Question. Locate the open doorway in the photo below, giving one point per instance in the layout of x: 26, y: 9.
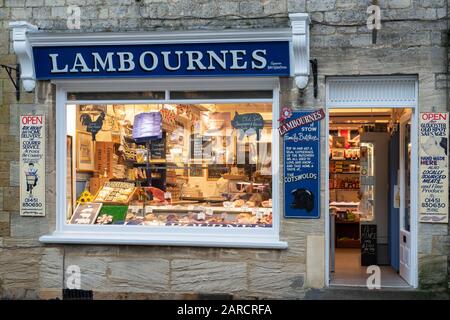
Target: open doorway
x: 369, y: 188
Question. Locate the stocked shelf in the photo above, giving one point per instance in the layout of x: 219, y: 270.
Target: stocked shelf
x: 345, y: 172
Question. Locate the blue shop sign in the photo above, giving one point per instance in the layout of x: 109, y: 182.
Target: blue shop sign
x: 167, y: 60
x: 301, y: 148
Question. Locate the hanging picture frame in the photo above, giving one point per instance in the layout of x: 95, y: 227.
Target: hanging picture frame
x: 85, y: 154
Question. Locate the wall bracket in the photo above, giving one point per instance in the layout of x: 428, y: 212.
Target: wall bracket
x: 300, y: 48
x: 15, y: 80
x: 24, y: 52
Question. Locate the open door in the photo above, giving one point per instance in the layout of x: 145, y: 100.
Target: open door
x: 405, y: 198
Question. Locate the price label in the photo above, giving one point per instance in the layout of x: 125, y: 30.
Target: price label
x: 201, y: 216
x: 148, y: 210
x: 259, y: 214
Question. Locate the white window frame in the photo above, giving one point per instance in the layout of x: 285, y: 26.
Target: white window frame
x: 152, y: 235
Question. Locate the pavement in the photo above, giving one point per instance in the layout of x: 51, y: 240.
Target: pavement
x: 348, y: 293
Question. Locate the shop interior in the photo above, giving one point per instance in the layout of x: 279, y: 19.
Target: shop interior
x: 367, y: 194
x: 174, y: 165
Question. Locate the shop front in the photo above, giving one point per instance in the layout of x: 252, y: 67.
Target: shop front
x: 178, y: 163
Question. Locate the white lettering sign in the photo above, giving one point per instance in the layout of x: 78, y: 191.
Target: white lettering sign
x: 170, y: 60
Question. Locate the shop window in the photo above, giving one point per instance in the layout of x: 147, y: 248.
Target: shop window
x: 169, y: 165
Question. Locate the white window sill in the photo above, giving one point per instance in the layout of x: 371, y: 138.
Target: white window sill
x: 161, y: 240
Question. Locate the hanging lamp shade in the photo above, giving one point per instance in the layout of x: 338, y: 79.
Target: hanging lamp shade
x: 147, y: 126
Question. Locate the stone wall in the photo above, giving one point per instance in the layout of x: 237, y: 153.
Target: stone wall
x: 411, y: 41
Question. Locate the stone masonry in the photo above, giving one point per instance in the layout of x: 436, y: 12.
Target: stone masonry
x: 412, y: 40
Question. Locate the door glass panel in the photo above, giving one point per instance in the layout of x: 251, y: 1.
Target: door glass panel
x: 407, y: 160
x: 367, y: 178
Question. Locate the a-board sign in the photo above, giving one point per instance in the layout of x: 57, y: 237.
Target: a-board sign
x: 368, y: 244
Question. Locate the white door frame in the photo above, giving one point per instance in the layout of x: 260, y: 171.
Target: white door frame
x: 403, y: 120
x: 414, y: 169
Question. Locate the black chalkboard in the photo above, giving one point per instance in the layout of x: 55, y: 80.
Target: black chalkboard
x: 201, y: 147
x: 368, y: 244
x: 158, y: 148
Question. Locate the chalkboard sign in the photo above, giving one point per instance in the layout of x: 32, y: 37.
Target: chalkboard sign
x: 158, y: 148
x: 368, y: 244
x: 201, y: 147
x: 246, y: 122
x: 92, y: 126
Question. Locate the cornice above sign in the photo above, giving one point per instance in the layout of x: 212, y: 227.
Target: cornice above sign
x: 264, y: 52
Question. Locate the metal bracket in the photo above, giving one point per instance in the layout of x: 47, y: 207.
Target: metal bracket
x: 314, y: 73
x: 16, y: 82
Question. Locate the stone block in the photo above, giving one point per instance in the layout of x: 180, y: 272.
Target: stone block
x: 93, y: 271
x: 28, y: 227
x: 92, y: 250
x: 4, y: 13
x: 250, y: 7
x: 5, y: 229
x: 51, y: 268
x: 21, y: 13
x: 34, y: 3
x: 296, y: 6
x: 432, y: 3
x: 103, y: 13
x: 227, y: 8
x: 281, y: 279
x: 19, y: 268
x: 432, y: 271
x: 322, y: 5
x: 399, y: 4
x: 333, y: 16
x: 11, y: 199
x: 14, y: 3
x: 77, y: 2
x: 139, y: 275
x: 441, y: 13
x: 275, y: 6
x: 319, y: 29
x: 14, y: 173
x: 122, y: 2
x: 54, y: 3
x: 440, y: 245
x: 317, y: 16
x: 208, y: 276
x: 42, y: 13
x: 315, y: 261
x: 59, y: 13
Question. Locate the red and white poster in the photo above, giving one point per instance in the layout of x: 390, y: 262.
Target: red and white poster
x: 32, y: 165
x: 433, y: 167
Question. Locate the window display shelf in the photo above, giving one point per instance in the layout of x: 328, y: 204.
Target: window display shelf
x: 344, y: 172
x: 345, y: 160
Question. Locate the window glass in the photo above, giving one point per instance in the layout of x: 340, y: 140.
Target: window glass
x: 142, y: 95
x: 203, y: 95
x: 177, y: 165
